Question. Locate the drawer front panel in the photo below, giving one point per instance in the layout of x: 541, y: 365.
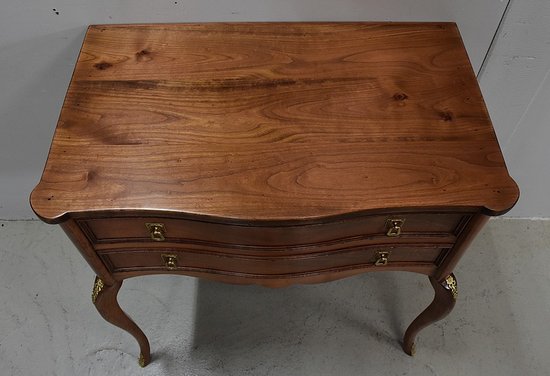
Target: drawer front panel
x: 165, y: 260
x: 105, y: 233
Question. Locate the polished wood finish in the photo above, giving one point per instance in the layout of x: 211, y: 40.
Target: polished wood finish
x: 87, y: 251
x: 107, y: 305
x: 474, y: 227
x: 441, y: 306
x: 273, y: 122
x: 104, y: 232
x: 273, y: 154
x: 148, y: 260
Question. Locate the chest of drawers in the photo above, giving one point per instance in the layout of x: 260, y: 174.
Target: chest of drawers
x: 273, y: 154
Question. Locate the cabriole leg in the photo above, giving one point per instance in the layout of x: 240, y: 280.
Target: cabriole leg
x: 444, y: 300
x: 104, y: 298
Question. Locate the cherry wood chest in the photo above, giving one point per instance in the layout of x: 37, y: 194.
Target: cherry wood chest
x: 273, y: 154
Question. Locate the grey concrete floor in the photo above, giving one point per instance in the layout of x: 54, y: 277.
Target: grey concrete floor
x: 500, y: 326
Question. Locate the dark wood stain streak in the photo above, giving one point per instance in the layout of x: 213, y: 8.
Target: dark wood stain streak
x: 446, y: 116
x: 217, y: 84
x: 103, y: 65
x: 400, y: 96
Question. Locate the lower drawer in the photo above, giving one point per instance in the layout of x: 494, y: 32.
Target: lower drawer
x: 163, y: 260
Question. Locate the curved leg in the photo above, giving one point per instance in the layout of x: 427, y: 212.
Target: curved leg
x: 104, y: 299
x: 444, y: 300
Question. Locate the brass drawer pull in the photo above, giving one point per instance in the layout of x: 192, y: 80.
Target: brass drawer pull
x: 382, y: 258
x: 157, y: 231
x: 394, y: 226
x: 170, y: 261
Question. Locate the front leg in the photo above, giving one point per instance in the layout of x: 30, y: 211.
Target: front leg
x: 444, y: 300
x: 104, y: 299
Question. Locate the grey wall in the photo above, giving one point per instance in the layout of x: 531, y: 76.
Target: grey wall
x: 39, y: 43
x: 516, y: 86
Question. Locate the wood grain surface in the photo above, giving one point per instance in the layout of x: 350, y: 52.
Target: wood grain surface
x: 273, y: 121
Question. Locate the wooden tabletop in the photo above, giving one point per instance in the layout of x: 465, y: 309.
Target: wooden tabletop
x: 273, y: 121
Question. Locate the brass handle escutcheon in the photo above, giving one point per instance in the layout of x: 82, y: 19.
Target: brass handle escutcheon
x: 157, y: 231
x: 170, y: 261
x: 394, y: 226
x: 382, y: 258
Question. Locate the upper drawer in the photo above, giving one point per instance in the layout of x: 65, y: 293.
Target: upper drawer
x: 106, y: 233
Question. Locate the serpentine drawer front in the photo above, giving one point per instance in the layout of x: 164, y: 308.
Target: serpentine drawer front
x: 273, y: 154
x: 271, y: 266
x: 110, y: 232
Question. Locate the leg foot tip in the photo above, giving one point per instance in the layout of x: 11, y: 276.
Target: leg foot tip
x: 142, y: 361
x: 411, y: 351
